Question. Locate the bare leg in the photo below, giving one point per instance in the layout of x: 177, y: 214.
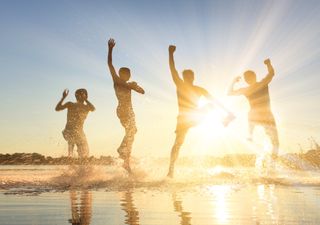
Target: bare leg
x: 70, y: 149
x: 130, y: 133
x: 251, y: 127
x: 272, y: 132
x: 126, y: 146
x: 83, y: 150
x: 122, y: 149
x: 180, y: 136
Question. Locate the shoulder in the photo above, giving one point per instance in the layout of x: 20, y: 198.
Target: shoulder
x: 200, y: 90
x: 81, y: 106
x: 87, y: 108
x: 243, y: 91
x: 261, y: 84
x: 121, y: 84
x: 132, y: 84
x: 69, y: 104
x: 180, y: 85
x: 254, y: 88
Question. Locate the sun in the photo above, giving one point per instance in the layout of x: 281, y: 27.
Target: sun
x: 211, y: 123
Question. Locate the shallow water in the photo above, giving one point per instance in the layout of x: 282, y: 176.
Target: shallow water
x: 217, y: 204
x: 68, y: 195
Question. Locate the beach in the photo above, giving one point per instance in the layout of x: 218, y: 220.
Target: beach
x: 160, y: 112
x: 47, y: 195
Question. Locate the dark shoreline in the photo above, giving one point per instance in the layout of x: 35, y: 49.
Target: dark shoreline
x: 301, y: 161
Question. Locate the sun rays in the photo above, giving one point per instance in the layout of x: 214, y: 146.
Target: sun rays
x: 215, y: 39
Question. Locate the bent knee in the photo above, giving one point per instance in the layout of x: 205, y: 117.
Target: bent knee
x: 131, y: 130
x: 178, y: 142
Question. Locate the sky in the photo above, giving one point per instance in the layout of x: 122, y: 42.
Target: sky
x: 47, y: 46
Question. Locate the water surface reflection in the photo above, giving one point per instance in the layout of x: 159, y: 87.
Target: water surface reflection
x: 81, y: 207
x: 185, y: 217
x: 127, y: 205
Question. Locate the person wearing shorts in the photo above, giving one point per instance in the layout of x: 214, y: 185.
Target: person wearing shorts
x: 260, y: 114
x: 76, y: 115
x: 125, y: 112
x: 188, y: 96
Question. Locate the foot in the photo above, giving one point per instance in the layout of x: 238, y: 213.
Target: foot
x: 126, y: 166
x: 170, y: 173
x: 83, y: 161
x: 228, y: 119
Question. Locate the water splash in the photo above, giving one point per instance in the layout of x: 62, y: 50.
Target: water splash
x: 147, y: 174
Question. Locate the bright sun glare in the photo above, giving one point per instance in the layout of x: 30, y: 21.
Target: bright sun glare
x: 210, y: 131
x: 211, y: 122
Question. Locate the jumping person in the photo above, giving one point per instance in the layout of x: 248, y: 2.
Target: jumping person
x: 188, y: 97
x: 260, y: 113
x: 77, y: 113
x: 124, y: 110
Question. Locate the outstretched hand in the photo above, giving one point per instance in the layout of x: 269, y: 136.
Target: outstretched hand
x: 65, y: 93
x: 267, y: 61
x: 111, y: 43
x: 172, y: 48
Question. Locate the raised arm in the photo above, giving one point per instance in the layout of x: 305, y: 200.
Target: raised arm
x: 61, y: 106
x: 115, y: 77
x: 239, y: 91
x: 90, y: 106
x: 134, y: 86
x: 174, y: 72
x: 270, y: 74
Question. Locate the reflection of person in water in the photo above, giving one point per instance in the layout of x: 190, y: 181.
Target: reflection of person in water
x: 188, y: 98
x: 127, y: 204
x: 266, y: 200
x: 184, y: 216
x: 81, y: 215
x: 125, y: 112
x: 77, y: 113
x: 260, y: 113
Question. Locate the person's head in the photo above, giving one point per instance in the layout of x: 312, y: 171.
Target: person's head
x: 124, y: 73
x: 81, y: 95
x: 250, y: 77
x: 188, y: 76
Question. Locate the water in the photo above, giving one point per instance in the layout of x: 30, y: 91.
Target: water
x: 105, y: 195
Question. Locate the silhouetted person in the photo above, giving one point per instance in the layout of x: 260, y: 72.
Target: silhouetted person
x: 81, y: 212
x: 188, y: 96
x: 127, y: 203
x: 77, y: 113
x: 124, y: 110
x: 258, y: 96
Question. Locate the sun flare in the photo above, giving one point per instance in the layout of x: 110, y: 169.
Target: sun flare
x: 210, y: 124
